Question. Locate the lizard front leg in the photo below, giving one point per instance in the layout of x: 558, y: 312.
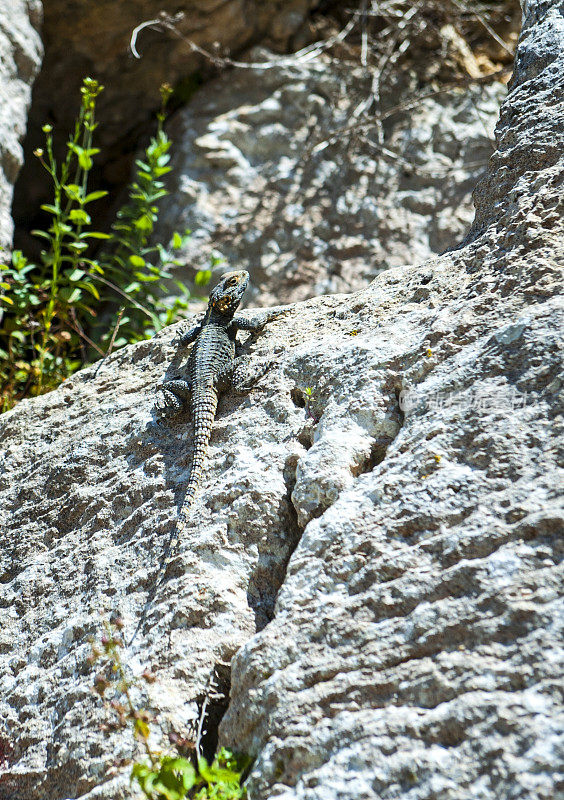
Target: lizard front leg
x: 256, y: 323
x: 184, y: 339
x: 243, y: 380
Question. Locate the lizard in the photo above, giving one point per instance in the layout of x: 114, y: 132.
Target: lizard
x: 210, y: 372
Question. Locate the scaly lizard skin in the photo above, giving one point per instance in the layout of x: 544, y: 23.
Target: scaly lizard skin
x: 210, y: 372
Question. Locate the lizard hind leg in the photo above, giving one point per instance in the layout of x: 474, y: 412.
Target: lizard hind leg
x: 174, y: 395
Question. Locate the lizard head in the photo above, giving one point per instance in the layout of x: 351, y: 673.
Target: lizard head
x: 226, y: 296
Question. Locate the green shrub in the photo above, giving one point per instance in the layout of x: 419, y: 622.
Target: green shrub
x: 64, y: 311
x: 176, y: 778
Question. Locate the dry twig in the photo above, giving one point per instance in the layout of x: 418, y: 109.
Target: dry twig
x: 167, y: 22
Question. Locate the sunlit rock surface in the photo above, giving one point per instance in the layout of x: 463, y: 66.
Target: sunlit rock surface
x: 376, y: 545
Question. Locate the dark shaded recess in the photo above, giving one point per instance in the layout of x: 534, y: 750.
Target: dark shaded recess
x: 120, y: 133
x: 298, y: 397
x: 397, y: 393
x: 215, y: 709
x: 269, y: 574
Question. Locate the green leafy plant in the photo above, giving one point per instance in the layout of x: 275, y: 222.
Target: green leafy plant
x: 203, y: 276
x: 182, y: 773
x: 65, y: 311
x: 132, y: 263
x: 176, y: 778
x: 42, y: 303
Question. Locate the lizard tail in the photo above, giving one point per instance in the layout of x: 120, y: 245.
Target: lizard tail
x: 204, y: 405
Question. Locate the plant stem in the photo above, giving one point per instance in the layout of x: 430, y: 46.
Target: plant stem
x: 125, y: 685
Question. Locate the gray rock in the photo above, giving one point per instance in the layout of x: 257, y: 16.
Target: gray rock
x: 261, y: 175
x: 377, y: 535
x: 416, y: 648
x: 21, y: 51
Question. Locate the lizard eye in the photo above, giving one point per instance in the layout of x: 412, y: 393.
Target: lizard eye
x: 232, y: 282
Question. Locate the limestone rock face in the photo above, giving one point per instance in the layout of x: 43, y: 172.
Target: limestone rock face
x: 416, y: 649
x: 93, y: 516
x: 21, y: 51
x: 376, y: 544
x: 281, y: 185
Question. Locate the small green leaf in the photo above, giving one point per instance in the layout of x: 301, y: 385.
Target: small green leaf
x: 203, y: 277
x: 216, y: 774
x: 142, y: 166
x: 76, y: 275
x: 94, y: 265
x: 176, y: 240
x: 182, y: 286
x: 182, y: 767
x: 144, y: 223
x: 137, y: 261
x: 145, y: 776
x: 94, y: 235
x: 89, y: 288
x: 86, y: 308
x: 141, y: 729
x: 216, y: 259
x: 70, y: 294
x: 73, y: 191
x: 79, y: 216
x: 142, y: 276
x: 95, y: 196
x: 41, y: 234
x: 140, y: 771
x: 85, y: 161
x: 50, y: 208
